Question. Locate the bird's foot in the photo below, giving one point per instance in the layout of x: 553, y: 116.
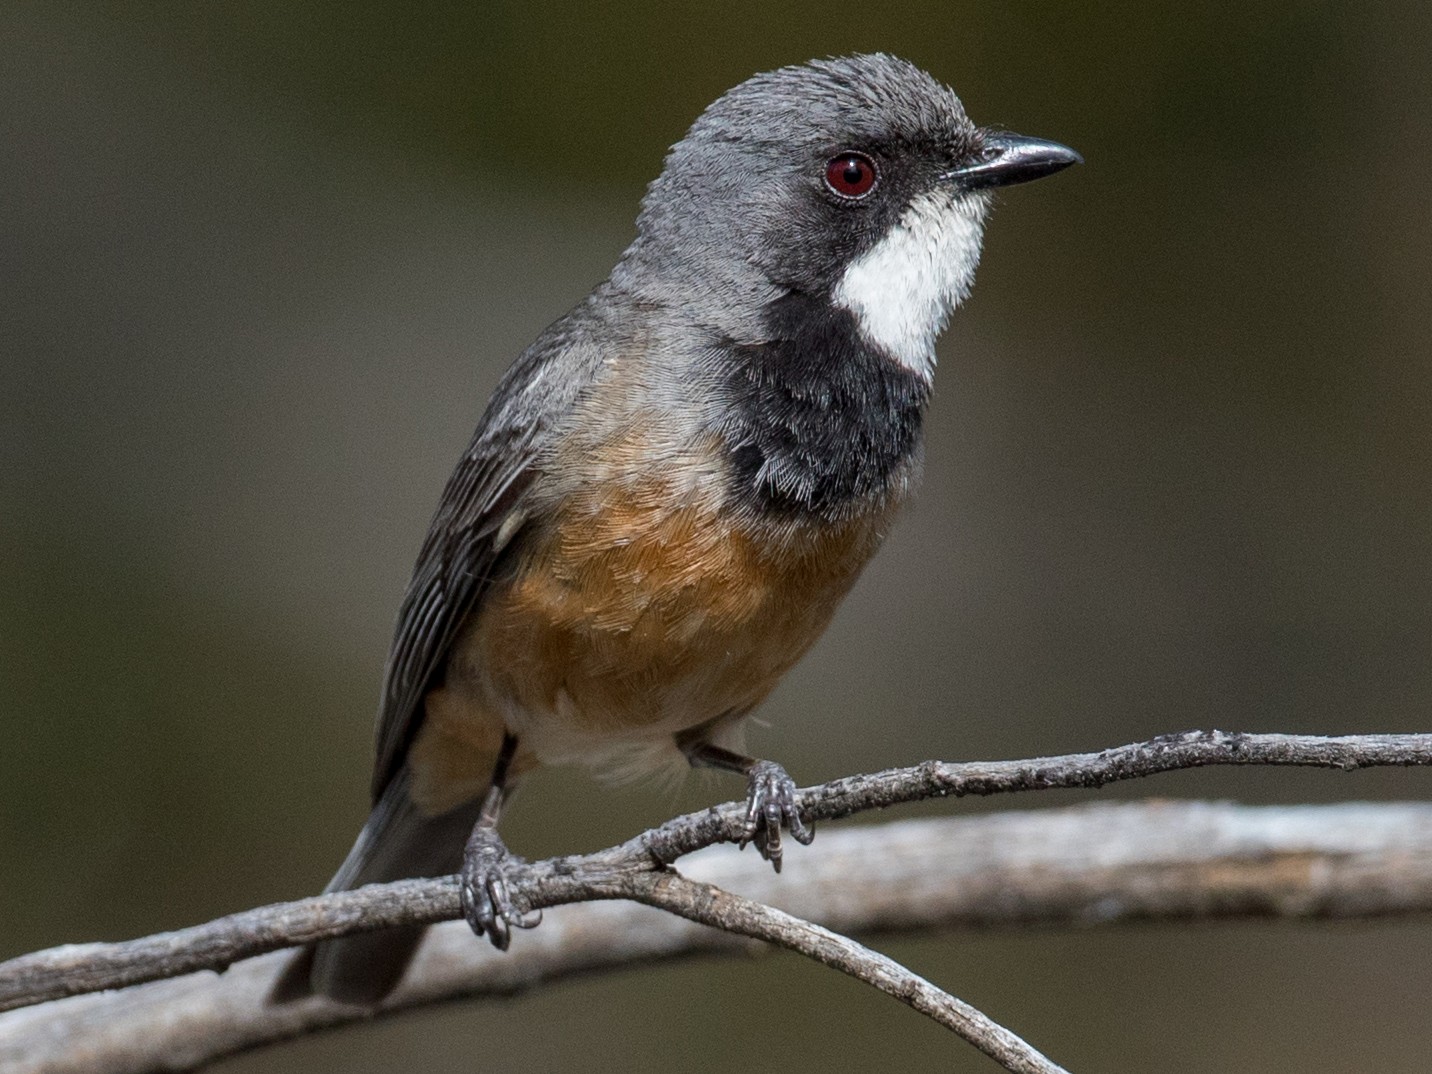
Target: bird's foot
x: 487, y: 872
x: 771, y: 806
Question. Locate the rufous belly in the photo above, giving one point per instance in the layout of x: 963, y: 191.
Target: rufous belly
x: 625, y: 623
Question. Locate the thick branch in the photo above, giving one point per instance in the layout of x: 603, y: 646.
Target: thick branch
x: 1154, y: 861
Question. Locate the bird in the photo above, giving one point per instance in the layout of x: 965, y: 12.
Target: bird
x: 671, y: 490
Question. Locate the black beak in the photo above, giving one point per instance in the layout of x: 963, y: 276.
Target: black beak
x: 1007, y: 159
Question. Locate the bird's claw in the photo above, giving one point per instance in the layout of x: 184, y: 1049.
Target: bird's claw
x: 487, y: 870
x: 771, y: 806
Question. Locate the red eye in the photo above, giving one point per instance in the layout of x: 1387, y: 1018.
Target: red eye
x: 851, y: 175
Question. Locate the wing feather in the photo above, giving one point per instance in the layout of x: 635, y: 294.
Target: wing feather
x: 476, y: 526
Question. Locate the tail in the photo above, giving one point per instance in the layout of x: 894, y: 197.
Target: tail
x: 398, y: 842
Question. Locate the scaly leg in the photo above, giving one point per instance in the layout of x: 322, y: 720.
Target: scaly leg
x: 486, y: 901
x: 770, y: 797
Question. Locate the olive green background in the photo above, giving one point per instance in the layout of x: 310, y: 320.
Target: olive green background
x: 260, y: 264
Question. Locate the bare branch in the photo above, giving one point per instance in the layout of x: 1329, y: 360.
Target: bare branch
x: 1154, y: 861
x: 76, y: 969
x: 720, y: 909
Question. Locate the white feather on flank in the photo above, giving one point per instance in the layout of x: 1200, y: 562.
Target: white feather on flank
x: 903, y: 289
x: 559, y: 737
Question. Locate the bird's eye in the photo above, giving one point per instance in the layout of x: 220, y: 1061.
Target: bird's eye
x: 851, y: 175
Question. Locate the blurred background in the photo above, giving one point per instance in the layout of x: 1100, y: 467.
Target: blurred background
x: 261, y: 263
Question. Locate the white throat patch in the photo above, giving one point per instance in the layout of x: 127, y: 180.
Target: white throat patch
x: 903, y: 288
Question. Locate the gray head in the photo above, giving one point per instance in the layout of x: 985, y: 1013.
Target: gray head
x: 857, y: 181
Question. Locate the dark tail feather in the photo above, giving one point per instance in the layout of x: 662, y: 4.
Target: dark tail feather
x: 398, y: 842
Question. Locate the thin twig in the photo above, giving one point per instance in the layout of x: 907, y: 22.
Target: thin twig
x: 709, y: 905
